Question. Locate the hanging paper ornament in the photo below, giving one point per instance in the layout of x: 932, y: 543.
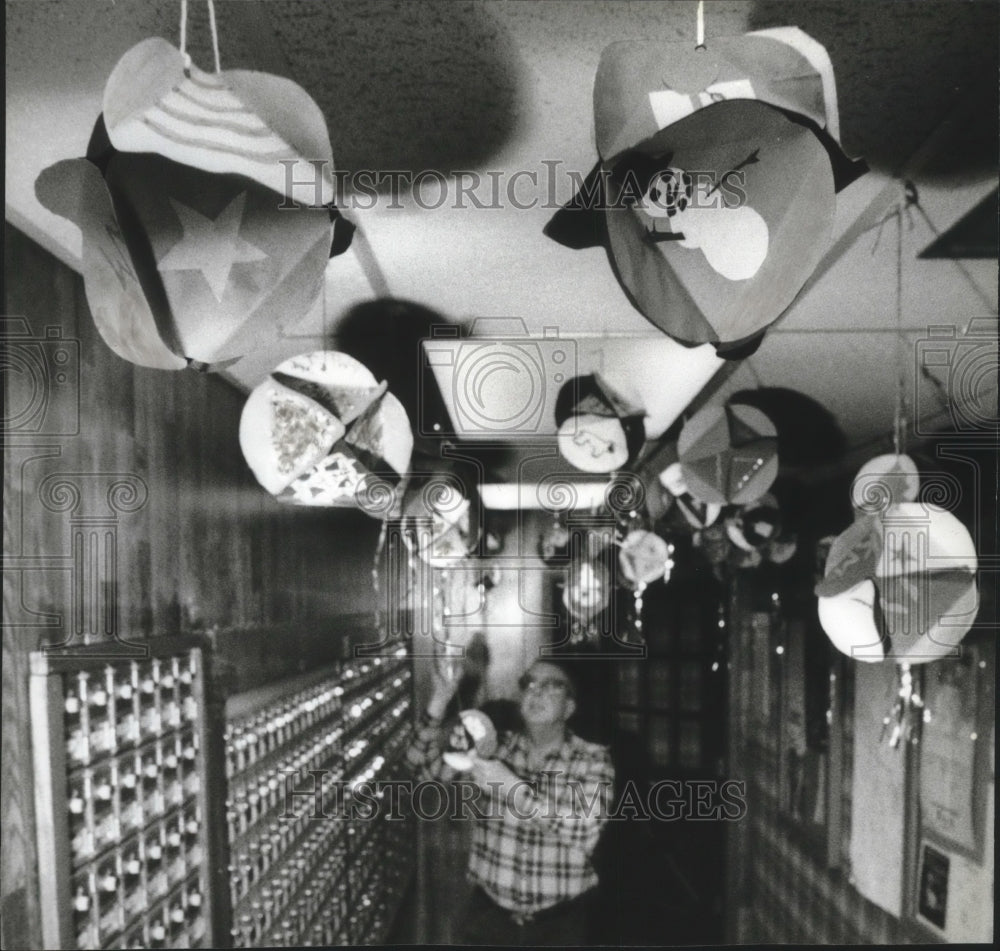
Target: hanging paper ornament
x: 809, y: 436
x: 756, y: 524
x: 472, y: 736
x: 321, y: 431
x: 782, y: 549
x: 696, y: 513
x: 659, y: 501
x: 900, y: 586
x: 445, y: 516
x: 884, y: 481
x: 643, y: 558
x: 903, y: 723
x: 746, y: 559
x: 205, y: 203
x: 599, y: 431
x: 588, y: 590
x: 553, y: 545
x: 728, y: 454
x: 714, y: 542
x: 718, y: 173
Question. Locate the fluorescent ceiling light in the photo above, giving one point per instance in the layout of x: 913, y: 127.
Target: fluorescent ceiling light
x: 550, y: 496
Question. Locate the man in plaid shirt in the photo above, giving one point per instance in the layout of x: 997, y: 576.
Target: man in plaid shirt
x: 543, y: 801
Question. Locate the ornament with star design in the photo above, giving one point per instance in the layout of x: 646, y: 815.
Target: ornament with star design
x: 900, y: 586
x: 728, y: 454
x: 200, y: 239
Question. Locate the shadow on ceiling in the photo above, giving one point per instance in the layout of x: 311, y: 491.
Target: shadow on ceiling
x: 902, y: 68
x: 808, y: 434
x: 407, y: 85
x: 385, y: 335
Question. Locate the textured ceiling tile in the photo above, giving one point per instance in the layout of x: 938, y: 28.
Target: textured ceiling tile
x: 404, y: 86
x: 902, y: 68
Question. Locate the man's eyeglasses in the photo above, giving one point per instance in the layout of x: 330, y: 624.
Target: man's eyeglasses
x: 549, y: 685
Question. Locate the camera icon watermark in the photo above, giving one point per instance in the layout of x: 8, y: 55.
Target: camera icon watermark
x: 41, y: 380
x: 499, y: 382
x: 956, y: 378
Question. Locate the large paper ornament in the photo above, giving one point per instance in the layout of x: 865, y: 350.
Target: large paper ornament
x: 445, y: 518
x: 321, y: 431
x: 900, y: 586
x: 717, y: 180
x: 728, y: 454
x: 599, y: 431
x: 884, y: 481
x: 646, y: 86
x: 205, y: 203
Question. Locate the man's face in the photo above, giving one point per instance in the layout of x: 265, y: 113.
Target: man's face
x: 545, y: 695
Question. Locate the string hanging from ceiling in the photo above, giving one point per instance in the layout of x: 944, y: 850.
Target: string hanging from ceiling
x: 212, y: 29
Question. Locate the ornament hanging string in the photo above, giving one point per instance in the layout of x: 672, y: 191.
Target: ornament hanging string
x: 903, y: 723
x: 899, y: 414
x: 899, y: 423
x: 376, y: 585
x: 214, y: 31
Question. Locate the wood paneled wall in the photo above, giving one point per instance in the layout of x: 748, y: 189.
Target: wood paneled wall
x: 130, y: 513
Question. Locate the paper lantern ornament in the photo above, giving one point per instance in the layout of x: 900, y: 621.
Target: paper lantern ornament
x: 599, y: 430
x: 756, y: 524
x: 696, y: 514
x: 205, y: 203
x: 321, y: 431
x: 743, y: 558
x: 553, y: 545
x: 714, y: 543
x: 884, y: 481
x: 900, y: 586
x: 782, y: 549
x: 717, y: 179
x: 472, y: 736
x: 643, y: 558
x: 728, y: 454
x: 659, y: 501
x: 444, y: 517
x: 588, y: 590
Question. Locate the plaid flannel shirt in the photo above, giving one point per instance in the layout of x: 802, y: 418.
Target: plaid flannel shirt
x: 542, y: 856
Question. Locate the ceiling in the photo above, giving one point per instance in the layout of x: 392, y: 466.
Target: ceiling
x: 498, y: 88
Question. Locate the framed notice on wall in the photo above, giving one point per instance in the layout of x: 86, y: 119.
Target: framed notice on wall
x: 952, y: 753
x: 932, y: 898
